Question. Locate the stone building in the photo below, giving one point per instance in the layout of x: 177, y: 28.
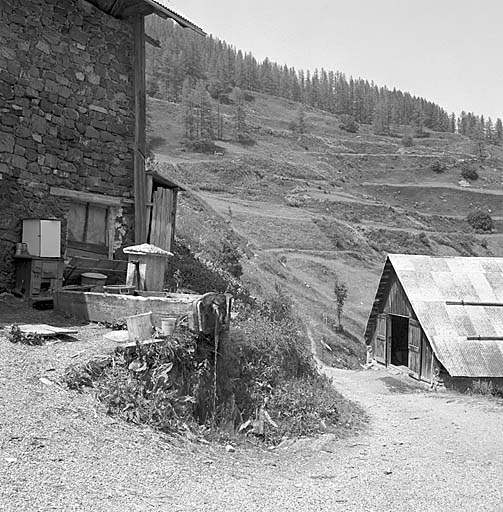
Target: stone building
x: 72, y: 121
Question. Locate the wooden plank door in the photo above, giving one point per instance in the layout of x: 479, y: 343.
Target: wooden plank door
x: 380, y: 339
x: 162, y: 223
x: 414, y: 347
x: 426, y: 360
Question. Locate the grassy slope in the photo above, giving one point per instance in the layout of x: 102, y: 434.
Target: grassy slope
x: 358, y: 196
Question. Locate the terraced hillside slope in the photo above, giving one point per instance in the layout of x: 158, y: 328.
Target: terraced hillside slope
x: 306, y: 209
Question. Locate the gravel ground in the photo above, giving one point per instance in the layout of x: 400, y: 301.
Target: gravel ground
x: 423, y: 451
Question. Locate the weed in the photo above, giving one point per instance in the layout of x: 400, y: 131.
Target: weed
x: 15, y: 335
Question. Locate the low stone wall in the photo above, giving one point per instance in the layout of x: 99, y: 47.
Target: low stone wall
x: 66, y: 110
x: 111, y: 308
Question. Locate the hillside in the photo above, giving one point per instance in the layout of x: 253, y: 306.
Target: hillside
x: 303, y: 209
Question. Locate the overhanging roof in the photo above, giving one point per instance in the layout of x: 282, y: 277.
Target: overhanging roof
x: 123, y: 8
x: 459, y: 303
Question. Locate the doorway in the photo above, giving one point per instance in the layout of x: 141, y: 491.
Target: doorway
x: 399, y: 340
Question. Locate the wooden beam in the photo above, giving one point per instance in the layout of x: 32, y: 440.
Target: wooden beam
x: 140, y: 124
x: 88, y: 197
x: 151, y: 41
x: 472, y: 303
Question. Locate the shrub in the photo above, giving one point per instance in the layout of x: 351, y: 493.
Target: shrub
x: 407, y: 141
x: 202, y: 146
x: 438, y: 167
x: 245, y: 139
x: 469, y: 173
x: 349, y: 124
x: 15, y: 335
x: 304, y: 407
x: 481, y: 221
x: 153, y: 143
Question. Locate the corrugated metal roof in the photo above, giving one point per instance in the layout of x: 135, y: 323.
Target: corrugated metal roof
x: 164, y: 7
x: 430, y: 283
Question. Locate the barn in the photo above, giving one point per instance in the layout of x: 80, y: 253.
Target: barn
x: 440, y: 319
x: 72, y: 128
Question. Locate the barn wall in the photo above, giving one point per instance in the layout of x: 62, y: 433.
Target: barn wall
x: 66, y: 109
x: 397, y: 302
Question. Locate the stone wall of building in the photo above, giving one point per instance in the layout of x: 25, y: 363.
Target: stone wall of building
x: 66, y: 111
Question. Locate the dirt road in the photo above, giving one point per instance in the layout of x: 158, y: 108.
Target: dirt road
x: 422, y: 451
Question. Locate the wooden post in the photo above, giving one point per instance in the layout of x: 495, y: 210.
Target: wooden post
x: 139, y: 133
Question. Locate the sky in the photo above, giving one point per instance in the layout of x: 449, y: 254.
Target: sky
x: 447, y: 51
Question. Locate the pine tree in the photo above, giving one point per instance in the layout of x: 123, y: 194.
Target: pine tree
x: 499, y: 131
x: 240, y: 128
x: 188, y: 110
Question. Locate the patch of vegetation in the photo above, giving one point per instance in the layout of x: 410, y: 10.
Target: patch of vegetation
x: 438, y: 167
x: 468, y: 172
x: 153, y: 143
x: 480, y: 221
x: 15, y: 335
x: 486, y: 388
x: 264, y: 371
x: 348, y: 124
x: 202, y: 146
x: 407, y: 141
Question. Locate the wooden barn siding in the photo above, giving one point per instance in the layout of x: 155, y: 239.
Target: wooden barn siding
x: 397, y: 303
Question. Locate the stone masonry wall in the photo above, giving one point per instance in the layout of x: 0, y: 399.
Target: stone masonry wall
x: 66, y: 112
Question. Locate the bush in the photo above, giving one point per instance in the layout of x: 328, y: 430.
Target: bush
x: 202, y: 146
x: 349, y: 124
x: 245, y: 139
x: 153, y: 143
x: 304, y: 407
x: 438, y: 167
x: 481, y: 221
x: 469, y: 173
x: 407, y: 141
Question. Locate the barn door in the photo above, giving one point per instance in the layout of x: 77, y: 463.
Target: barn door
x: 414, y: 347
x: 426, y: 360
x: 380, y: 340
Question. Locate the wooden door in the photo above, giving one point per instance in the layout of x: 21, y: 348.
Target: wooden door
x: 161, y: 233
x: 380, y: 339
x: 414, y: 347
x: 426, y: 360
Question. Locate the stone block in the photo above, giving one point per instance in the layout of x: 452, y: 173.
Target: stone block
x: 6, y: 143
x: 19, y: 162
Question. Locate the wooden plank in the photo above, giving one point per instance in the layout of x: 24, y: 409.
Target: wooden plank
x: 169, y: 220
x: 90, y: 248
x: 111, y: 216
x: 173, y: 221
x: 150, y: 184
x: 88, y: 197
x: 140, y: 327
x: 45, y: 330
x: 140, y: 124
x: 152, y: 41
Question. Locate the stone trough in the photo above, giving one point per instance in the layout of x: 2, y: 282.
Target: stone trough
x: 112, y: 308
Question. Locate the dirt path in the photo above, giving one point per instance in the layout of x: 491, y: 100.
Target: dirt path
x: 422, y: 451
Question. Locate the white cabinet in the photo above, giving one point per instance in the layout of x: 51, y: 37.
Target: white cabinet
x: 43, y: 237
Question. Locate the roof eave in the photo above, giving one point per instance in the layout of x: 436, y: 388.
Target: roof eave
x: 164, y: 12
